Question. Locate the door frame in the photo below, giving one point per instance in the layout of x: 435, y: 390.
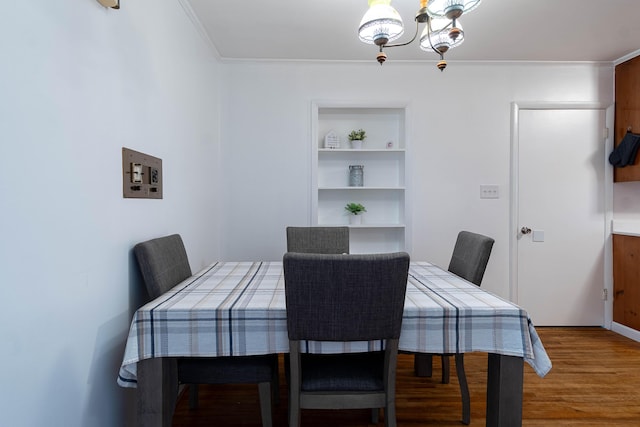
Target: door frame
x: 608, y: 135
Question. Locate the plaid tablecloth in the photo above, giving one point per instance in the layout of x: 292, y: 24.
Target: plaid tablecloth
x: 238, y: 308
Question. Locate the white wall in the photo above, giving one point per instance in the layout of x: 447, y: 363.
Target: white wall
x: 77, y: 83
x: 626, y: 201
x: 460, y: 139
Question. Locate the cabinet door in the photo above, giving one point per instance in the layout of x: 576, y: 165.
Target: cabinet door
x: 626, y: 280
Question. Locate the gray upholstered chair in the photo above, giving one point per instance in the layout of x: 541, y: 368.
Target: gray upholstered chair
x: 469, y: 261
x: 470, y: 256
x: 344, y: 298
x: 318, y: 240
x: 163, y: 263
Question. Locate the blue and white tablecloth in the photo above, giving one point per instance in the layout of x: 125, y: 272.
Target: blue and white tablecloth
x: 238, y: 308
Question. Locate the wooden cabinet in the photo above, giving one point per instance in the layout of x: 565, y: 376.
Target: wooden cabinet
x: 627, y: 112
x: 626, y: 280
x: 383, y: 157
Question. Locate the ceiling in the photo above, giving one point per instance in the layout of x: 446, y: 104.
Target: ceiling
x: 498, y: 30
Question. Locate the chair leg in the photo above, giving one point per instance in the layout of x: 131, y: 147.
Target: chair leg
x: 193, y: 396
x: 422, y: 365
x: 375, y: 415
x: 265, y: 403
x: 390, y: 415
x: 275, y: 383
x: 295, y: 375
x: 294, y: 410
x: 464, y: 389
x: 445, y: 368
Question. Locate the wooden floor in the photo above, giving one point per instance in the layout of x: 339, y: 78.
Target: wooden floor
x: 595, y: 381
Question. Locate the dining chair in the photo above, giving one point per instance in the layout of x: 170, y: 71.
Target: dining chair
x: 319, y: 240
x: 163, y: 263
x: 344, y: 298
x: 316, y: 240
x: 469, y: 261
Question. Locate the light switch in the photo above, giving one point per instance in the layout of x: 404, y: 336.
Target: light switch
x: 537, y: 236
x: 136, y: 173
x: 489, y: 192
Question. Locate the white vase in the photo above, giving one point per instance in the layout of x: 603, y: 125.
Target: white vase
x: 356, y: 144
x: 355, y: 219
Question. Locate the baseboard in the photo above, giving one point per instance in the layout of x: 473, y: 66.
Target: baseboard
x: 625, y: 331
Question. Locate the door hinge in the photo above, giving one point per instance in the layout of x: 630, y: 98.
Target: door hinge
x: 605, y: 133
x: 605, y: 294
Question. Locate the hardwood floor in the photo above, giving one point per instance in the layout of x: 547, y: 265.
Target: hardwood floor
x: 595, y: 381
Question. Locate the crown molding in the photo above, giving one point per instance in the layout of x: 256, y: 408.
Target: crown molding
x: 186, y: 6
x: 627, y: 57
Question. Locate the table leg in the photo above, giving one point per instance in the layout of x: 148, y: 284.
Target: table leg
x: 423, y: 364
x: 504, y: 391
x: 157, y: 392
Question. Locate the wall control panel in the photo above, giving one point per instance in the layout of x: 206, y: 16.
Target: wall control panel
x: 141, y: 175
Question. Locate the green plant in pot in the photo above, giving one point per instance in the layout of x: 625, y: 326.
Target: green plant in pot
x: 357, y: 137
x: 356, y: 210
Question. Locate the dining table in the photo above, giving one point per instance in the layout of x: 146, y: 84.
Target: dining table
x: 239, y: 308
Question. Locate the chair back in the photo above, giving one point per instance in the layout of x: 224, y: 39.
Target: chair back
x: 470, y: 256
x: 319, y: 240
x: 163, y: 263
x: 345, y: 297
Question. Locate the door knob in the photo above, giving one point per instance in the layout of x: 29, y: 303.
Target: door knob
x: 525, y: 230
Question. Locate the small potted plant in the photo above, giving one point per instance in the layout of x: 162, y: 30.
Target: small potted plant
x: 357, y: 138
x: 356, y: 210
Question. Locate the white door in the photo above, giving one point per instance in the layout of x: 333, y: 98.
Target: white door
x: 560, y: 262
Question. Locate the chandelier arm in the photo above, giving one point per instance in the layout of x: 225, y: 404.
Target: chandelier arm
x: 409, y: 42
x: 430, y: 42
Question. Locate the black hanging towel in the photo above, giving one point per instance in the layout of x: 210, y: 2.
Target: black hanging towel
x: 625, y: 153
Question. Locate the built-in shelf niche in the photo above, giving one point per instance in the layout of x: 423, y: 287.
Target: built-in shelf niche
x: 384, y: 226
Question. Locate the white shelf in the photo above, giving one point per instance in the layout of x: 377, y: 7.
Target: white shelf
x: 361, y: 188
x: 361, y: 150
x: 384, y: 226
x: 365, y: 225
x: 376, y: 225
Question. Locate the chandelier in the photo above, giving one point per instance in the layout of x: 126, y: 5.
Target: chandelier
x: 383, y: 24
